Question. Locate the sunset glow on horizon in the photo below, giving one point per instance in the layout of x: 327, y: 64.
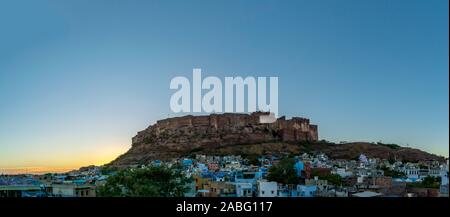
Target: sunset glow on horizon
x: 64, y: 161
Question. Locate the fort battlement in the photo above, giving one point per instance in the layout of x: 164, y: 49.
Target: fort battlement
x: 245, y: 125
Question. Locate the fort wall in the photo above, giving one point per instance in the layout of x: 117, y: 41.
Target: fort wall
x: 295, y: 129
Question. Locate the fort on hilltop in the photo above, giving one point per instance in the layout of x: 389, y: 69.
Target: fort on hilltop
x: 174, y: 137
x: 295, y: 129
x: 244, y: 134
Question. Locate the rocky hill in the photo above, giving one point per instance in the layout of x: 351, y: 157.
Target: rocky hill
x: 175, y: 137
x: 243, y: 134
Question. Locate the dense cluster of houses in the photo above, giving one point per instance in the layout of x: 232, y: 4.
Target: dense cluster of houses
x: 72, y: 184
x: 234, y: 176
x: 231, y: 176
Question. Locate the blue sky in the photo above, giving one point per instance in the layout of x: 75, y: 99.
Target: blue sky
x: 78, y: 79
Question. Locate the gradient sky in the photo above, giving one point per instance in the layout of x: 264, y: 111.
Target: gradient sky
x: 79, y: 78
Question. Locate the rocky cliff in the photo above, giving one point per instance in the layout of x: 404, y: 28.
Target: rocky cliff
x: 243, y: 134
x: 174, y: 137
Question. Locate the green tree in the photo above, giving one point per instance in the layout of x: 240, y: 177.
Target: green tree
x: 105, y: 170
x: 253, y: 160
x: 284, y: 172
x: 334, y: 179
x: 427, y: 182
x: 392, y: 173
x: 146, y: 182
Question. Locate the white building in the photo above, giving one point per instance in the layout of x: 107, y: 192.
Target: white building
x: 244, y: 189
x: 306, y: 190
x: 342, y: 172
x: 411, y: 172
x: 444, y: 180
x: 233, y: 165
x: 267, y: 189
x: 367, y: 194
x: 72, y: 190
